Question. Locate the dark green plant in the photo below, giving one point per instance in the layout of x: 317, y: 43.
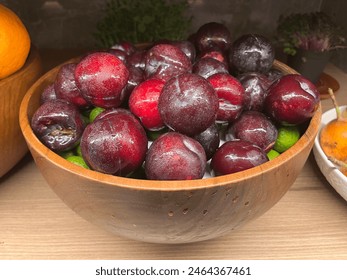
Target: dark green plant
x: 140, y: 21
x: 309, y: 31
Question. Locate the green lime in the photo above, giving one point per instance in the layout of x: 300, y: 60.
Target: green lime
x: 86, y: 112
x: 66, y: 154
x: 272, y: 154
x: 287, y: 137
x: 78, y: 150
x: 94, y: 113
x: 153, y: 135
x: 85, y: 119
x: 78, y: 160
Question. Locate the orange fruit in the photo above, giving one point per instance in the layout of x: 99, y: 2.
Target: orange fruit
x: 344, y: 171
x: 14, y: 42
x: 333, y: 136
x: 333, y: 139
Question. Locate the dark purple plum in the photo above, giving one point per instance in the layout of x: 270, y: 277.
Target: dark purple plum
x: 292, y: 100
x: 174, y: 156
x: 164, y: 61
x: 137, y: 59
x: 251, y: 53
x: 274, y: 74
x: 119, y: 54
x: 213, y: 35
x: 236, y: 155
x: 136, y: 77
x: 127, y: 47
x: 114, y: 143
x: 188, y: 104
x: 48, y: 94
x: 215, y: 54
x: 65, y: 86
x: 231, y: 96
x: 187, y: 47
x: 256, y: 86
x: 254, y: 127
x: 143, y: 103
x: 209, y: 140
x: 208, y: 66
x: 58, y: 124
x: 101, y: 78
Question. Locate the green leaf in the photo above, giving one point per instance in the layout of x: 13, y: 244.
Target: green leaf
x: 142, y: 21
x: 314, y: 31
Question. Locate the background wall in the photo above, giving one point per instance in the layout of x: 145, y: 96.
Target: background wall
x: 71, y: 23
x: 337, y: 10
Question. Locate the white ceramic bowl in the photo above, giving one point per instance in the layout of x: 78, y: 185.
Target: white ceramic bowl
x: 334, y: 176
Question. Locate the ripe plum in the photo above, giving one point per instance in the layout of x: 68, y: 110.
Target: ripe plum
x: 164, y: 61
x: 58, y: 124
x: 256, y: 86
x: 143, y: 103
x: 188, y: 104
x: 251, y: 53
x: 101, y: 78
x: 127, y: 47
x: 254, y: 127
x: 213, y: 35
x: 209, y: 139
x: 65, y: 86
x: 48, y: 94
x: 174, y: 156
x: 292, y: 100
x: 114, y: 143
x: 137, y: 59
x: 187, y: 47
x: 207, y: 66
x: 230, y: 94
x: 136, y: 77
x: 237, y: 155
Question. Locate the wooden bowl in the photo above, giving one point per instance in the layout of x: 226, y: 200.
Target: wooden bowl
x: 12, y: 89
x: 167, y: 211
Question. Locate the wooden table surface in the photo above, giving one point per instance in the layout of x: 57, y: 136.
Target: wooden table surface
x: 309, y: 222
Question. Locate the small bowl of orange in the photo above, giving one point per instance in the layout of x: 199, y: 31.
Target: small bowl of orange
x: 20, y: 67
x: 335, y: 174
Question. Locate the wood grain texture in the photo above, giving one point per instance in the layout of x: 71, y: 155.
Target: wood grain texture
x: 309, y: 222
x: 12, y: 90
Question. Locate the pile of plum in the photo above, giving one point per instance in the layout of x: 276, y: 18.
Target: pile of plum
x: 181, y: 110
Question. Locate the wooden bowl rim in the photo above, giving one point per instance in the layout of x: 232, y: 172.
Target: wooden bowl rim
x: 32, y: 56
x: 164, y: 185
